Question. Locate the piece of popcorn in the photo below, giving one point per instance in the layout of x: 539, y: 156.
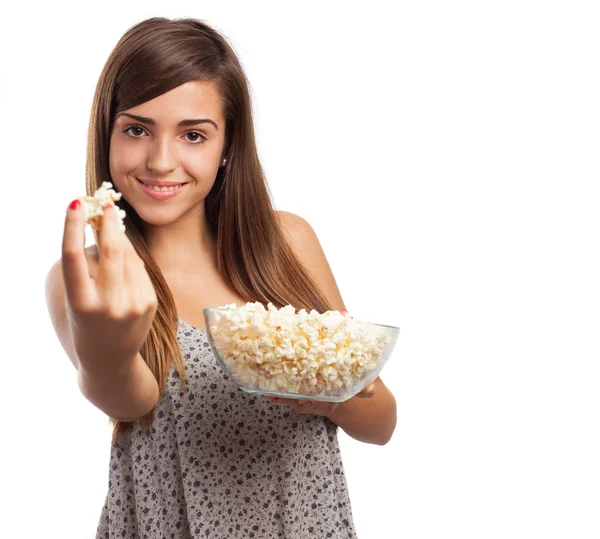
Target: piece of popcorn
x: 92, y: 206
x: 283, y: 351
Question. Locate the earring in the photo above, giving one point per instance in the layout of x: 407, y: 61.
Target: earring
x: 224, y: 161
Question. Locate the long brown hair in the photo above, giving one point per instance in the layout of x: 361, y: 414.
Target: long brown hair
x: 253, y: 256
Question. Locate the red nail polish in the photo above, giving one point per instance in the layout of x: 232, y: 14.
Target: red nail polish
x: 75, y: 204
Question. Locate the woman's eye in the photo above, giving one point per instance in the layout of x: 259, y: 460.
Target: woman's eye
x: 126, y: 131
x: 202, y: 138
x: 199, y: 139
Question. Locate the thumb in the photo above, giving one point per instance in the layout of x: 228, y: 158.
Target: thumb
x: 367, y: 392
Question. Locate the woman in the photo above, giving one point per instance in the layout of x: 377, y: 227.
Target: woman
x: 196, y: 456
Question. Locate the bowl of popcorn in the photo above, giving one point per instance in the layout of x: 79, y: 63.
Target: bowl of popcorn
x: 284, y: 353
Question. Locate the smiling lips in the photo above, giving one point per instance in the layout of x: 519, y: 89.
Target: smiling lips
x: 158, y: 183
x: 161, y: 193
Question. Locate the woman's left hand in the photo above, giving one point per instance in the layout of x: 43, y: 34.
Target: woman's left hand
x: 319, y: 407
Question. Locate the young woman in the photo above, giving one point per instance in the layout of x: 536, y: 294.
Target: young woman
x: 192, y: 455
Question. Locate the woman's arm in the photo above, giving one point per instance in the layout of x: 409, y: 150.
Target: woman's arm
x: 370, y: 420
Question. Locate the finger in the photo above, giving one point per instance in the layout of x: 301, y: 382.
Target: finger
x: 295, y: 403
x: 76, y: 274
x: 128, y: 246
x: 133, y: 271
x: 280, y: 400
x: 133, y: 281
x: 130, y: 251
x: 110, y: 264
x: 367, y: 392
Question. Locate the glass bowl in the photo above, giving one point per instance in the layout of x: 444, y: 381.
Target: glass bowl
x: 347, y: 354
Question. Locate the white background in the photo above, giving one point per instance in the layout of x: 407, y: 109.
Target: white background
x: 446, y: 154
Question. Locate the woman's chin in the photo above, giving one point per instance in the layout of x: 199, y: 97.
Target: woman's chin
x: 157, y: 217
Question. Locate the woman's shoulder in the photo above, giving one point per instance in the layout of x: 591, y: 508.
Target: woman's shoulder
x: 294, y: 228
x: 289, y: 219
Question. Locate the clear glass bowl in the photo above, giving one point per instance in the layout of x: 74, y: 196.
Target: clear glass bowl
x: 255, y: 373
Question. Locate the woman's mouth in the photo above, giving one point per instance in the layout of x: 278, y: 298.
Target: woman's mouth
x: 161, y: 193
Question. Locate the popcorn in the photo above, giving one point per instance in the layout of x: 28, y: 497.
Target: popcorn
x: 92, y: 206
x: 309, y: 353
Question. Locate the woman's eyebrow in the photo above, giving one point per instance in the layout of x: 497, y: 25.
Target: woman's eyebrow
x: 182, y: 123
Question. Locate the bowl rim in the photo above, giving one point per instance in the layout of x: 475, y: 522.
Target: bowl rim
x: 206, y: 309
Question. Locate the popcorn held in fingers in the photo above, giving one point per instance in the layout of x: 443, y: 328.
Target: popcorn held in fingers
x: 92, y: 206
x: 305, y: 353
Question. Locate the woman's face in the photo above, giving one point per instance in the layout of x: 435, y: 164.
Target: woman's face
x: 154, y: 147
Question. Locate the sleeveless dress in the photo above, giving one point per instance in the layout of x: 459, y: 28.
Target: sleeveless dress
x: 225, y: 464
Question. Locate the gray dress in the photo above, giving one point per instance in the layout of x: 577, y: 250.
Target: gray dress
x: 222, y: 463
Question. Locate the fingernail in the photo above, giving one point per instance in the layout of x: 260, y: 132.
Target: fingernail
x: 106, y: 206
x: 371, y: 389
x: 307, y: 403
x: 75, y: 204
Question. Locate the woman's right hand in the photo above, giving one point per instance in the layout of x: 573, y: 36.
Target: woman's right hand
x: 109, y: 316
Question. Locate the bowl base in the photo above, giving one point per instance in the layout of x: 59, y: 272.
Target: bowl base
x: 320, y: 398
